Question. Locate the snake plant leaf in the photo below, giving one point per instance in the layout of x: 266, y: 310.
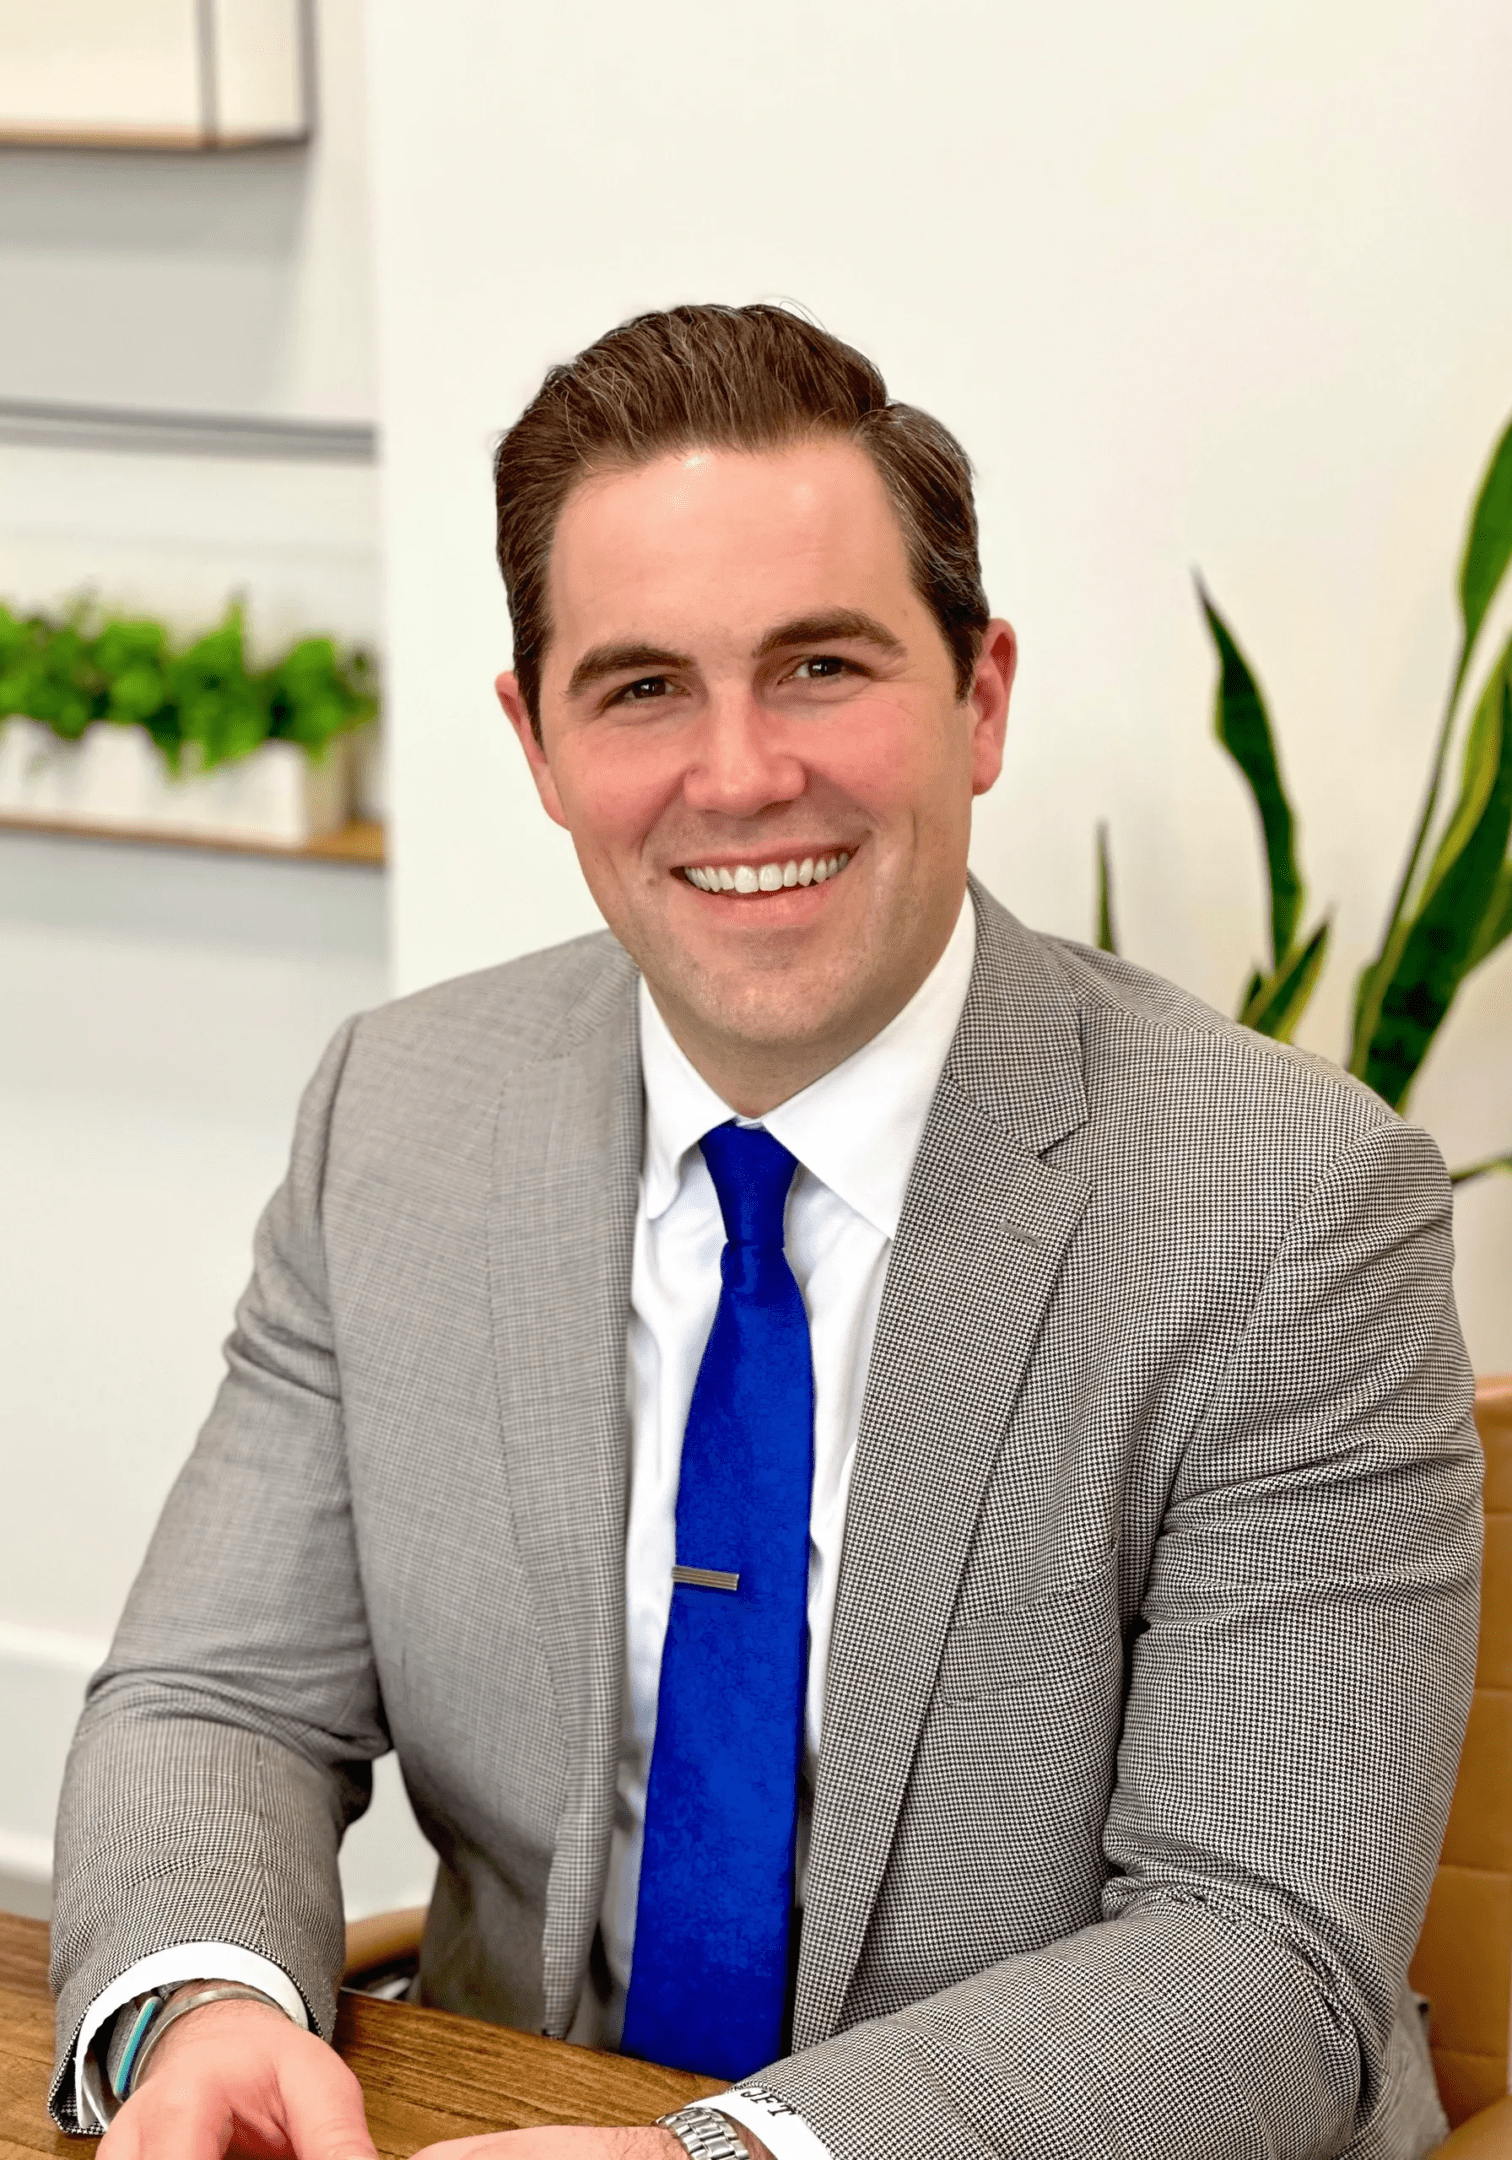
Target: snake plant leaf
x: 1475, y: 1170
x: 1461, y: 887
x: 1488, y: 545
x: 1275, y: 1004
x: 1496, y: 924
x: 1370, y: 989
x: 1243, y: 727
x: 1107, y: 928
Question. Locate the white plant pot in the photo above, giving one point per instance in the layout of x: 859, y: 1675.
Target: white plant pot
x: 115, y: 777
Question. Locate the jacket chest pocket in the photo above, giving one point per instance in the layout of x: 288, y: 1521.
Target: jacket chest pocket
x: 1051, y: 1649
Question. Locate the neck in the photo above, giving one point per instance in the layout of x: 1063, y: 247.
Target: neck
x: 757, y: 1074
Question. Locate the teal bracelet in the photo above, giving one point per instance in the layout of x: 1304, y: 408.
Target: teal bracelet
x: 130, y: 2030
x: 178, y: 2001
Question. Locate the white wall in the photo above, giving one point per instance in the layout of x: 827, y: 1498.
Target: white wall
x: 160, y: 1010
x: 163, y: 1009
x: 231, y: 283
x: 238, y: 284
x: 1196, y: 286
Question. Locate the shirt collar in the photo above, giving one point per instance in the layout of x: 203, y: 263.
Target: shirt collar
x: 856, y: 1128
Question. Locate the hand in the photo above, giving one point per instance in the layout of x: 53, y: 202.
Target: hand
x: 556, y: 2141
x: 552, y: 2142
x: 241, y: 2075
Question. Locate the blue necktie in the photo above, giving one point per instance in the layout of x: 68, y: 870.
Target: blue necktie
x: 709, y: 1977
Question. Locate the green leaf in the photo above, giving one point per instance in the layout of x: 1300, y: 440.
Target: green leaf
x: 312, y: 697
x: 1488, y: 544
x: 66, y: 673
x: 1274, y: 1004
x: 1107, y: 929
x: 1475, y: 1170
x: 1496, y: 923
x: 1439, y: 939
x: 221, y: 710
x: 1370, y: 989
x: 1243, y: 727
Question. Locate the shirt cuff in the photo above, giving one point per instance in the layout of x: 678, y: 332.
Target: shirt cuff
x: 780, y: 2128
x: 171, y: 1968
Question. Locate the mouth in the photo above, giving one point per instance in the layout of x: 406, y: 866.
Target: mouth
x: 756, y: 878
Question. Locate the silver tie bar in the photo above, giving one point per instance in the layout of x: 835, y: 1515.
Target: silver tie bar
x: 706, y: 1578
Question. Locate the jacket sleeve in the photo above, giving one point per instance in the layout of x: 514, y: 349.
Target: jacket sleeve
x: 228, y: 1739
x: 1299, y: 1682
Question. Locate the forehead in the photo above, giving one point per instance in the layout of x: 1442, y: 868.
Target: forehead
x: 726, y: 536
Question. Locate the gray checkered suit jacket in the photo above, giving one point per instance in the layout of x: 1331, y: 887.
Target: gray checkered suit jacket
x: 1156, y: 1621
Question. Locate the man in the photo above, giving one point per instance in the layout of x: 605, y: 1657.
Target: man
x: 904, y: 1492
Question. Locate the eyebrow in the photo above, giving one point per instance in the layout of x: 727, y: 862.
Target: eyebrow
x: 602, y: 660
x: 840, y: 626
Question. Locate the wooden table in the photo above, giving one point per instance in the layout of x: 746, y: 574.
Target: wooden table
x: 426, y: 2075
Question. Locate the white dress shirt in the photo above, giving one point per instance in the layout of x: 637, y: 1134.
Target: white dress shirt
x: 855, y: 1133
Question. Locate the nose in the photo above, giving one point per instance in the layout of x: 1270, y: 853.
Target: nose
x: 740, y: 763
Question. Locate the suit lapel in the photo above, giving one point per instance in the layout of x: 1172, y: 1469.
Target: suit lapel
x: 984, y: 1227
x: 567, y: 1157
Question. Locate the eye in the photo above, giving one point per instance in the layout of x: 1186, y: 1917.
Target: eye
x: 822, y: 667
x: 645, y: 686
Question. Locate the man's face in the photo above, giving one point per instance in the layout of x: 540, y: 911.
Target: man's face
x: 742, y: 684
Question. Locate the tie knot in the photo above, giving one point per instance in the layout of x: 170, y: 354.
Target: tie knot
x: 751, y: 1173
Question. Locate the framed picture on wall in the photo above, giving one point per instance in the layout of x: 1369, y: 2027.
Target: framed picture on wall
x: 155, y: 74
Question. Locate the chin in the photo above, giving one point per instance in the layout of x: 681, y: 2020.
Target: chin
x: 793, y: 1019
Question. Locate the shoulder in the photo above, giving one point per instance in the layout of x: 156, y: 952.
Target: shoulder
x: 465, y: 1039
x: 1177, y: 1098
x: 1141, y: 1032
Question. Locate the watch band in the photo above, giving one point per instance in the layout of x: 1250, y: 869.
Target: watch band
x: 705, y: 2134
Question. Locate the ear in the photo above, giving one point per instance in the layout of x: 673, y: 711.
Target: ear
x: 991, y: 688
x: 507, y: 690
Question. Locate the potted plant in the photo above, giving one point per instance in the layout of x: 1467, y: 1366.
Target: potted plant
x: 1452, y: 907
x: 113, y: 723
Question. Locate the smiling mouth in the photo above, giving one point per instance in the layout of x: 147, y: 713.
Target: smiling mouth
x: 767, y: 877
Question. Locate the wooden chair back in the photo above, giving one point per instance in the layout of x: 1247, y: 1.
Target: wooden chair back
x: 1464, y: 1959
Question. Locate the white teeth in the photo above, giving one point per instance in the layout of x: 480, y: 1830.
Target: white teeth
x: 769, y: 877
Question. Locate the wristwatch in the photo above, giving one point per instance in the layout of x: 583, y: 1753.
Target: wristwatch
x: 705, y: 2134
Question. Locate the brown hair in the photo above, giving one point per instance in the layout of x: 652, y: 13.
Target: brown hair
x: 746, y: 378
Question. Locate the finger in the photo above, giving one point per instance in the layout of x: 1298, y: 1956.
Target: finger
x: 484, y: 2145
x: 324, y: 2118
x: 122, y: 2141
x: 191, y: 2124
